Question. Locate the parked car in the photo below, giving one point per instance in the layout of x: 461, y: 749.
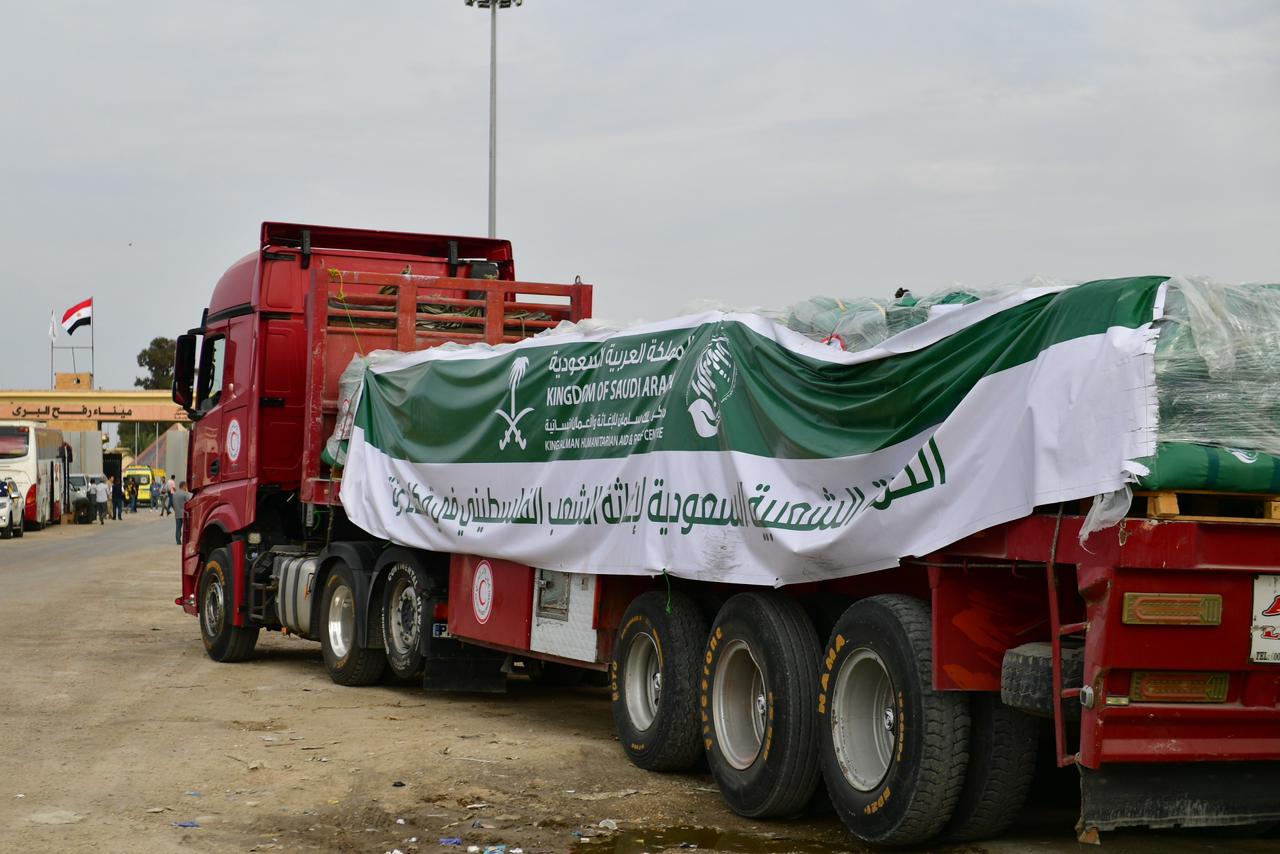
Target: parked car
x: 10, y: 509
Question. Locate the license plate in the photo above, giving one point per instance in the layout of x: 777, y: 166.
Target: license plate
x: 441, y: 630
x: 1265, y: 645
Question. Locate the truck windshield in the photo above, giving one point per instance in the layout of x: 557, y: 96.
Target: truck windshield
x: 14, y: 442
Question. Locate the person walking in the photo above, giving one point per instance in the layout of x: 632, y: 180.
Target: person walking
x: 117, y: 498
x: 101, y: 495
x: 179, y: 500
x: 160, y: 497
x: 172, y: 488
x: 131, y: 494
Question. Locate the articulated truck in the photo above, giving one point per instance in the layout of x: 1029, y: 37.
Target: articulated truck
x: 878, y: 567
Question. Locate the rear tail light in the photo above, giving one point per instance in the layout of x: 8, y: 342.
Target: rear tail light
x: 1162, y: 686
x: 1172, y: 609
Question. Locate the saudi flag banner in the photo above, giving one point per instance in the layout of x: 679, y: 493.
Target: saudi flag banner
x: 725, y: 447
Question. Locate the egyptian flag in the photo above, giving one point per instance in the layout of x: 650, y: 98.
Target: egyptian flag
x: 80, y: 314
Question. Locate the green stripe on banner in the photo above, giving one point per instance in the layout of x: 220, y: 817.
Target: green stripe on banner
x: 718, y: 386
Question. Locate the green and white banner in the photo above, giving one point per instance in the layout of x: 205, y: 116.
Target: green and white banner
x: 725, y: 447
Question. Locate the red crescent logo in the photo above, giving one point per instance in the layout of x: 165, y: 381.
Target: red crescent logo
x: 1272, y: 610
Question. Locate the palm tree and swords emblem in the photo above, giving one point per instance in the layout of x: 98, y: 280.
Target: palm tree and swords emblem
x: 512, y: 418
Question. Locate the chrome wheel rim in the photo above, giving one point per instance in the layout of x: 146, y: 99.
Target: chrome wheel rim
x: 643, y: 681
x: 740, y: 705
x: 213, y: 608
x: 342, y: 620
x: 404, y: 618
x: 864, y: 720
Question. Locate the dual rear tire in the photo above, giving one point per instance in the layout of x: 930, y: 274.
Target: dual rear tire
x: 348, y: 661
x: 405, y: 617
x: 739, y: 693
x: 756, y: 700
x: 774, y: 716
x: 653, y: 681
x: 894, y: 751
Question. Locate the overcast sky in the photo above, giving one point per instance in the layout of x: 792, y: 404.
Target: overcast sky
x: 747, y: 152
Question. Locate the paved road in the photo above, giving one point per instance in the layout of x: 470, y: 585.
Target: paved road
x: 117, y: 726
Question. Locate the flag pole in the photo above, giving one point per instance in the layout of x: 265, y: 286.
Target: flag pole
x: 93, y: 366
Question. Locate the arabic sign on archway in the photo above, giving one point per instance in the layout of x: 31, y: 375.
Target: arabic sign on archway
x: 72, y: 409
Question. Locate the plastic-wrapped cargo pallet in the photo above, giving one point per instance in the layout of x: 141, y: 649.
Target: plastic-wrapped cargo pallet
x: 1219, y: 391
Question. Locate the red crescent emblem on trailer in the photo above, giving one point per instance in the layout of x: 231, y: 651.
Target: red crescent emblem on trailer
x: 1272, y: 610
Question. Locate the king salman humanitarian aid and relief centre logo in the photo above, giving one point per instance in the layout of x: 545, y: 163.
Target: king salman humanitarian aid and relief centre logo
x: 714, y: 377
x: 518, y: 367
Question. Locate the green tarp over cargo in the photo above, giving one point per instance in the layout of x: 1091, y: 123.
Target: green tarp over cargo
x: 727, y: 447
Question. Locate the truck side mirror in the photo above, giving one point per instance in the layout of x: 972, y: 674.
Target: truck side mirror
x: 184, y: 372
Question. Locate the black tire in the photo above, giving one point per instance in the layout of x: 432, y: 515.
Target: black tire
x: 757, y: 698
x: 658, y: 729
x: 22, y: 526
x: 222, y: 641
x: 404, y: 618
x: 1002, y: 760
x: 1026, y: 679
x: 349, y: 663
x: 900, y: 788
x: 7, y: 532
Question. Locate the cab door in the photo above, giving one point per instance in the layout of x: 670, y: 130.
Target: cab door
x: 239, y: 442
x: 206, y: 432
x: 282, y: 379
x: 221, y: 439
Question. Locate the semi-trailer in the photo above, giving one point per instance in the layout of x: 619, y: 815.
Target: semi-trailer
x: 876, y: 572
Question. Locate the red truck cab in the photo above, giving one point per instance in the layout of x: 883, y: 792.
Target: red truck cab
x: 282, y: 324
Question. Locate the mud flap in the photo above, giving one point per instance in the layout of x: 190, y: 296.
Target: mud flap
x: 1184, y: 794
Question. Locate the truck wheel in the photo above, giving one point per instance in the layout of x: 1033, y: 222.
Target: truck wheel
x: 1002, y: 761
x: 348, y: 663
x: 893, y: 750
x: 404, y: 605
x: 222, y: 640
x: 758, y: 695
x: 1026, y: 679
x: 653, y: 681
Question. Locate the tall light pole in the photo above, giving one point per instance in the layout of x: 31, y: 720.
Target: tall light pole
x: 493, y: 6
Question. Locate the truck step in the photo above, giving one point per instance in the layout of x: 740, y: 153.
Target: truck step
x: 1203, y: 506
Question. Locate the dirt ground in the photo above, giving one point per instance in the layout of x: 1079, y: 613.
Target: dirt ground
x: 118, y: 731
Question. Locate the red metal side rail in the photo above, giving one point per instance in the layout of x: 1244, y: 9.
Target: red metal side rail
x: 354, y: 312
